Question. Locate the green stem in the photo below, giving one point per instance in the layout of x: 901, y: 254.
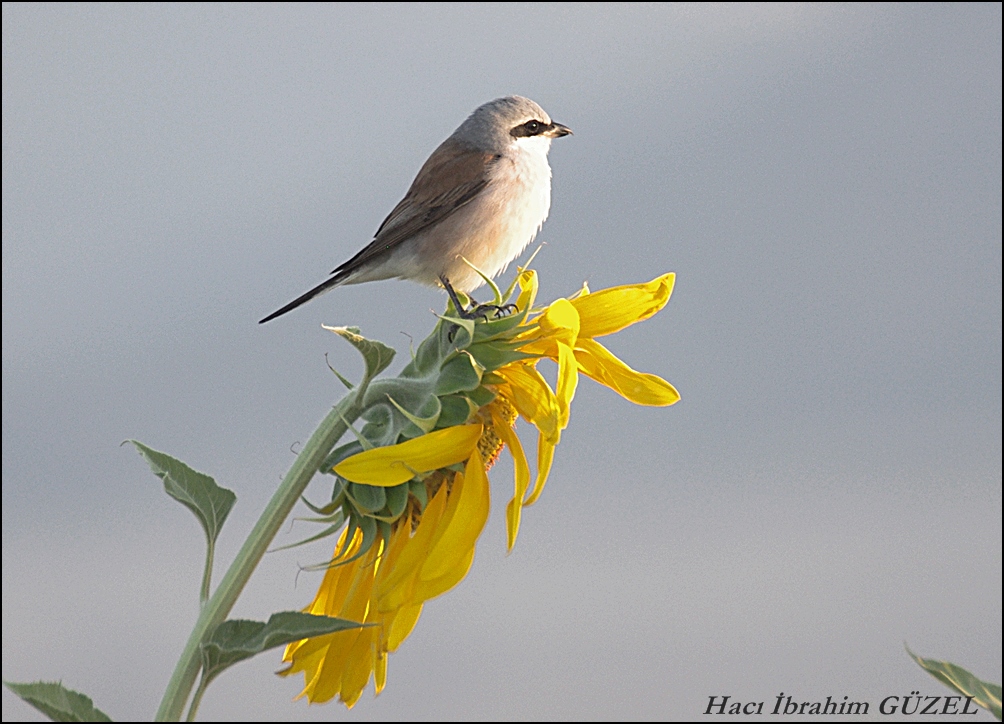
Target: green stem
x: 207, y: 574
x: 218, y: 606
x: 197, y: 699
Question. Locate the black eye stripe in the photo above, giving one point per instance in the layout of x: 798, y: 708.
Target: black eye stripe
x: 532, y: 127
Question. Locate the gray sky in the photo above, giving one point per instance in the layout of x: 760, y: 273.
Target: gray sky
x: 826, y: 182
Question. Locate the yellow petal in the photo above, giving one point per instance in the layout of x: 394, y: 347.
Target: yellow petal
x: 560, y: 321
x: 359, y: 666
x: 641, y: 388
x: 380, y: 672
x: 545, y: 456
x: 437, y: 586
x: 461, y: 524
x: 395, y: 583
x: 532, y: 397
x: 404, y: 622
x: 611, y: 310
x: 396, y: 464
x: 528, y: 289
x: 568, y: 380
x: 521, y: 480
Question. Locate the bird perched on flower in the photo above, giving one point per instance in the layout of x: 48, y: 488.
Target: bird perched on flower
x: 479, y: 200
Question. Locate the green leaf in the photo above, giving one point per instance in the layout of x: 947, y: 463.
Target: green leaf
x: 376, y: 354
x: 236, y: 640
x: 955, y: 677
x: 57, y: 702
x: 198, y: 492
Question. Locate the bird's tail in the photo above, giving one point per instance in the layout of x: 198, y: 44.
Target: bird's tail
x: 307, y: 296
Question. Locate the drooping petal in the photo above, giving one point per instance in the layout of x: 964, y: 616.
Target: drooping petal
x: 396, y: 583
x: 545, y: 456
x: 641, y: 388
x: 521, y: 481
x: 327, y: 680
x: 568, y: 380
x: 404, y: 622
x: 533, y: 398
x: 461, y: 524
x: 396, y: 464
x: 611, y: 310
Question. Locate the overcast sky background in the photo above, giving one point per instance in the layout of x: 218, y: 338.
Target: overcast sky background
x: 826, y: 182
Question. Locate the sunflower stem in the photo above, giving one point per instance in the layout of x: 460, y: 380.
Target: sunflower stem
x: 215, y: 610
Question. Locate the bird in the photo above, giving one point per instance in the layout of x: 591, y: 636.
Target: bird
x: 478, y: 201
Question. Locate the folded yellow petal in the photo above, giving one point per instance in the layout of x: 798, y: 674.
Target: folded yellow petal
x: 396, y: 464
x: 545, y: 456
x: 395, y: 583
x: 560, y: 321
x: 611, y: 310
x: 402, y: 625
x: 598, y: 362
x: 461, y: 525
x: 521, y: 482
x: 527, y: 289
x: 532, y: 397
x: 568, y: 379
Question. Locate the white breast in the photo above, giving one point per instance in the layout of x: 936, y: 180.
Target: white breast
x: 498, y: 225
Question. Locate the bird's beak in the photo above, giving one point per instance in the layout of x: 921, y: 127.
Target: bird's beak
x: 557, y: 131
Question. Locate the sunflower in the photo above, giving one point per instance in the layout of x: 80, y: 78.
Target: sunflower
x: 413, y: 488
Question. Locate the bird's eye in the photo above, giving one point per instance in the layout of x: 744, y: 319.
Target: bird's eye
x: 530, y: 128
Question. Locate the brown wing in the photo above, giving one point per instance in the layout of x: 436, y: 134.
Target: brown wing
x: 452, y: 177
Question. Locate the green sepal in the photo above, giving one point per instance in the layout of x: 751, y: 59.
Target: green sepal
x: 424, y: 424
x: 496, y: 328
x: 456, y: 410
x: 57, y: 702
x: 338, y: 454
x: 955, y: 677
x: 336, y: 373
x: 337, y: 525
x: 417, y: 489
x: 491, y: 378
x: 198, y: 492
x: 397, y: 500
x: 462, y: 331
x: 367, y: 498
x: 236, y: 640
x: 492, y: 355
x: 487, y: 280
x: 349, y: 534
x: 460, y: 374
x: 481, y: 396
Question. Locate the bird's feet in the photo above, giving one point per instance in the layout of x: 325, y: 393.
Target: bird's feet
x: 476, y: 311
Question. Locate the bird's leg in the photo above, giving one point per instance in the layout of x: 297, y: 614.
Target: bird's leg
x: 477, y: 310
x: 461, y: 311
